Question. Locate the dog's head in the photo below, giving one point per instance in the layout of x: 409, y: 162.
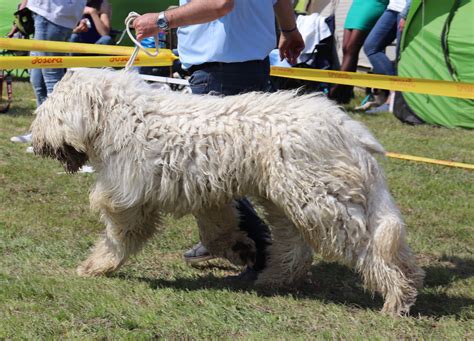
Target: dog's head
x: 86, y: 115
x: 60, y: 128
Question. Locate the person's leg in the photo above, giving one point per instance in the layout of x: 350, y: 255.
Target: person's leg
x: 256, y: 230
x: 54, y: 33
x: 238, y: 79
x: 231, y: 81
x: 352, y: 43
x: 37, y: 81
x: 382, y: 35
x: 105, y: 40
x: 199, y: 82
x: 399, y: 37
x: 36, y: 75
x: 75, y: 38
x: 351, y: 48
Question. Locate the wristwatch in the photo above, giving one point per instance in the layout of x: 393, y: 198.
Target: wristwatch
x: 162, y: 22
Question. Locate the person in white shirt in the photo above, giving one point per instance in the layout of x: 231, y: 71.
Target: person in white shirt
x: 53, y: 20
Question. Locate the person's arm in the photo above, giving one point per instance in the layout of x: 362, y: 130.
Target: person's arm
x: 101, y: 19
x: 194, y: 12
x: 14, y: 29
x: 291, y: 43
x: 403, y: 15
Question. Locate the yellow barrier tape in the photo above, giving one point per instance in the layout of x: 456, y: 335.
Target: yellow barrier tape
x: 427, y: 160
x: 66, y: 47
x: 51, y: 62
x: 418, y: 85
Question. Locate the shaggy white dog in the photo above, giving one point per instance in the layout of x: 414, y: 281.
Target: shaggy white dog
x: 307, y: 163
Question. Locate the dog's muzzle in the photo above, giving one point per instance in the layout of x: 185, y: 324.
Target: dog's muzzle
x: 71, y: 159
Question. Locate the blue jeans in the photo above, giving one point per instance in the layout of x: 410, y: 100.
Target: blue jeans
x: 103, y: 40
x: 231, y: 79
x: 383, y: 34
x: 43, y: 80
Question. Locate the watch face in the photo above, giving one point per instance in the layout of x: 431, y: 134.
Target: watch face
x: 162, y: 22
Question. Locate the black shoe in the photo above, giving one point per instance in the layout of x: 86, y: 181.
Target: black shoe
x: 248, y: 275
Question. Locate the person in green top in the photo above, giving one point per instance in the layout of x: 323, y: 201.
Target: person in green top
x: 360, y: 19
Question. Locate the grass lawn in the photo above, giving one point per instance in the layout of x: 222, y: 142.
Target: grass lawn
x: 46, y: 229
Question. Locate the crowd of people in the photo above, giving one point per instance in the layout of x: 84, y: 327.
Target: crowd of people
x: 224, y: 45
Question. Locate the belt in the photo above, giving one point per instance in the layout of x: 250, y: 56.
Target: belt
x: 195, y: 68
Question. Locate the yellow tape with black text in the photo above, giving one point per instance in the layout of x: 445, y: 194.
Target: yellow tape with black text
x: 52, y: 62
x: 417, y: 85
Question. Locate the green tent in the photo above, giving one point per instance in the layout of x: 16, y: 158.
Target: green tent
x: 438, y: 43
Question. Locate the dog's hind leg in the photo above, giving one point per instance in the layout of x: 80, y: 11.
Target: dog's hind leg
x: 290, y: 257
x: 220, y: 234
x: 126, y: 232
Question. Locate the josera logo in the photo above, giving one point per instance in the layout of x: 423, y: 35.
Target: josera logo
x: 120, y: 59
x: 467, y: 88
x: 407, y: 83
x: 47, y: 60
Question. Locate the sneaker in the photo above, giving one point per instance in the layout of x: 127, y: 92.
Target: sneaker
x: 383, y: 108
x: 21, y: 138
x: 198, y: 253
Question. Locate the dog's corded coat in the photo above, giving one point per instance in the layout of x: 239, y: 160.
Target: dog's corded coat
x: 308, y: 164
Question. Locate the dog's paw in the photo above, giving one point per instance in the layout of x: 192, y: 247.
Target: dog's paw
x: 83, y: 270
x: 92, y: 268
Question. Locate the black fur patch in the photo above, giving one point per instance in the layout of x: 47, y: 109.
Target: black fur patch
x: 71, y: 159
x: 246, y: 253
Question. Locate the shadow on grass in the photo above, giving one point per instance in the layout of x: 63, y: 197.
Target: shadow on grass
x: 331, y: 282
x: 19, y: 109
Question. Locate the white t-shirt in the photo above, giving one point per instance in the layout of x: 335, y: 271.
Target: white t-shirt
x: 396, y: 5
x: 66, y: 13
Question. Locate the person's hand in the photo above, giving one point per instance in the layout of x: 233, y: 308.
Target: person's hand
x: 90, y: 10
x: 81, y: 27
x: 145, y: 25
x: 12, y: 31
x: 290, y: 46
x: 401, y: 24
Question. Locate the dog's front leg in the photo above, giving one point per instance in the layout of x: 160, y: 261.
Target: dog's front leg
x: 126, y: 232
x: 220, y: 234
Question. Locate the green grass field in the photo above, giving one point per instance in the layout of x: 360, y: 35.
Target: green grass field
x: 46, y: 229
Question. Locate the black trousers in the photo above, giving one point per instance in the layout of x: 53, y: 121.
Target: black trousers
x: 231, y: 79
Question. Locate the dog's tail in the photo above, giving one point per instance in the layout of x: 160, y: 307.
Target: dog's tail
x: 388, y: 229
x: 390, y: 267
x: 384, y: 217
